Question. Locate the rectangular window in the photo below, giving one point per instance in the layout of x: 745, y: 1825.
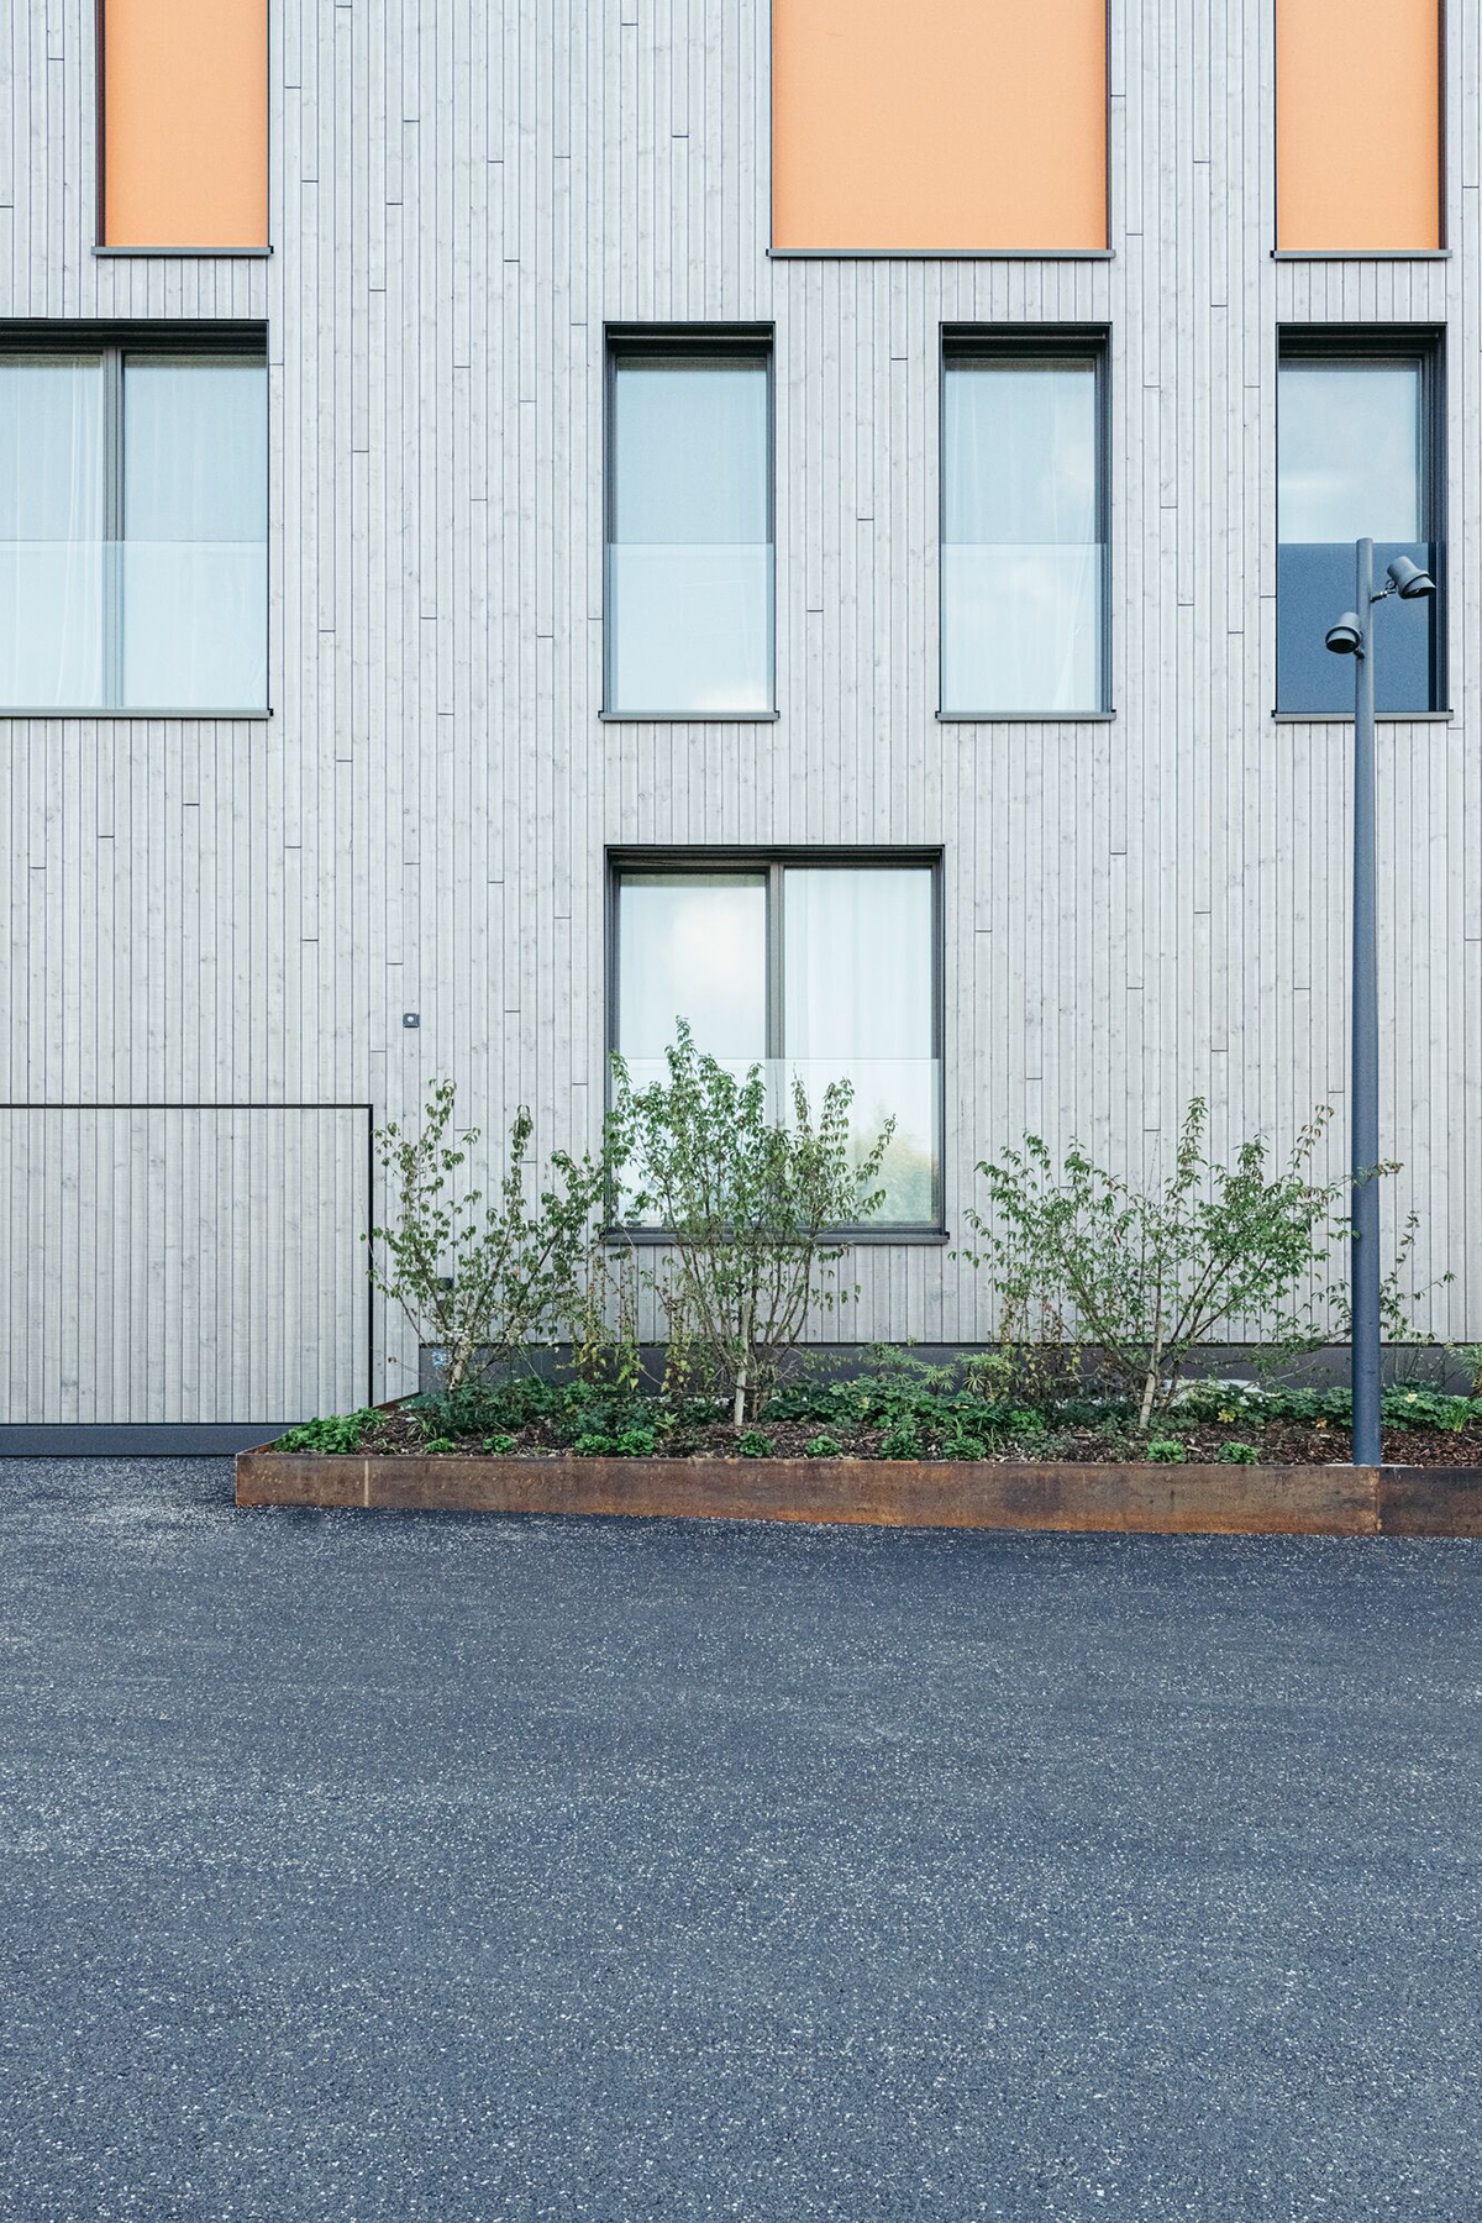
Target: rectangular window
x: 689, y: 528
x: 1023, y: 572
x: 184, y: 117
x: 133, y: 530
x: 817, y: 971
x: 1358, y: 126
x: 938, y: 127
x: 1356, y: 460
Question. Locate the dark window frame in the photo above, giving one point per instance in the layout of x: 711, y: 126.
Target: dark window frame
x: 80, y: 342
x: 1384, y: 345
x: 1031, y: 343
x: 773, y: 859
x: 672, y: 343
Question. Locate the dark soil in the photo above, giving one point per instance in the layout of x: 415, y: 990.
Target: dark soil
x: 1278, y: 1443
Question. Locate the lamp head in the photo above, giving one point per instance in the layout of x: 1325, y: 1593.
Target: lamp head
x: 1409, y: 580
x: 1346, y: 638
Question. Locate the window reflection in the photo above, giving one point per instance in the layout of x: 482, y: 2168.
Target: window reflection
x: 1351, y: 465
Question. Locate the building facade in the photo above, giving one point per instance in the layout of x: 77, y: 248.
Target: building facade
x: 518, y: 520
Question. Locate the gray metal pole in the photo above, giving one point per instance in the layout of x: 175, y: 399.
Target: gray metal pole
x: 1365, y: 1103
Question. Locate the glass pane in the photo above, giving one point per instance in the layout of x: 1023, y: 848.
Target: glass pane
x: 691, y: 453
x: 52, y: 514
x: 1350, y: 466
x: 194, y: 579
x: 858, y: 1005
x: 1020, y: 451
x: 691, y: 628
x: 689, y: 578
x: 1021, y: 628
x: 1022, y: 561
x: 694, y: 946
x: 1314, y: 587
x: 1349, y: 453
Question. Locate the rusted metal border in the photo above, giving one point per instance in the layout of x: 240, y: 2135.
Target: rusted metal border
x: 1143, y: 1499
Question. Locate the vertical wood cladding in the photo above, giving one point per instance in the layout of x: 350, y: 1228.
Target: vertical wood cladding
x: 241, y: 910
x: 945, y: 126
x: 185, y: 123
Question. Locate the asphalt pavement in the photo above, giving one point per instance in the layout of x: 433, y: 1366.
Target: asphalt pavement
x: 376, y: 1868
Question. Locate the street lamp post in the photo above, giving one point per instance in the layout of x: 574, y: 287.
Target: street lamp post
x: 1353, y: 636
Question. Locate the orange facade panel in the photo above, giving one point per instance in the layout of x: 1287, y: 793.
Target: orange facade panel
x: 1358, y: 126
x: 939, y: 126
x: 185, y: 123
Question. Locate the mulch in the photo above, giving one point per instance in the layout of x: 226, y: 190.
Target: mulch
x: 1279, y: 1443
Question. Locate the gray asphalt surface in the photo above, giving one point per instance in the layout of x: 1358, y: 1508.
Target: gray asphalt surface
x: 396, y: 1867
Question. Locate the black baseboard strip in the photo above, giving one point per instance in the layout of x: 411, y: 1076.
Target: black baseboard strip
x: 193, y: 1440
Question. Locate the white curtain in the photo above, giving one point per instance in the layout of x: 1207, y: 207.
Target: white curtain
x: 1022, y: 563
x: 858, y: 997
x: 52, y: 522
x: 689, y: 568
x: 195, y: 534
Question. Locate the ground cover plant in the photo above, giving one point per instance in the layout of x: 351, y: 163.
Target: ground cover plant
x: 898, y: 1408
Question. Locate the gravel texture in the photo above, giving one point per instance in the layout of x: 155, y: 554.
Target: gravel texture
x: 402, y: 1867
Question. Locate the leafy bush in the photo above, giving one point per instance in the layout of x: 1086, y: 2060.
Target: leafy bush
x: 338, y: 1432
x: 960, y: 1445
x: 1166, y: 1451
x: 480, y: 1279
x: 752, y: 1444
x: 1084, y: 1258
x: 499, y: 1447
x: 903, y: 1441
x: 823, y: 1447
x: 1239, y: 1454
x: 751, y: 1203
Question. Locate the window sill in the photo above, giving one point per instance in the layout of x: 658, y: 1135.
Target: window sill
x: 942, y: 254
x: 688, y: 717
x: 1361, y: 254
x: 101, y: 711
x: 653, y: 1238
x: 1025, y: 717
x: 193, y: 254
x: 1345, y: 717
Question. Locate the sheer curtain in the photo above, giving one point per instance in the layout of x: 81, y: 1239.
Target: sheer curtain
x: 52, y: 524
x: 1022, y: 561
x: 690, y: 564
x: 858, y: 1004
x: 195, y: 534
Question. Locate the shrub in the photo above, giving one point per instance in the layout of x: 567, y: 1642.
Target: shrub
x: 338, y: 1432
x: 500, y: 1447
x: 636, y: 1443
x: 1166, y: 1451
x: 475, y: 1278
x: 752, y: 1444
x: 903, y: 1441
x: 440, y: 1443
x: 823, y: 1447
x: 1239, y: 1454
x: 959, y: 1445
x: 1141, y: 1276
x: 752, y: 1204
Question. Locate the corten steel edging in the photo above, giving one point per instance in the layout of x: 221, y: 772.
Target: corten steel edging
x: 1132, y: 1499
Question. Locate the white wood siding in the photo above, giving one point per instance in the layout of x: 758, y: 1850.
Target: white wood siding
x: 462, y: 196
x: 181, y: 1264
